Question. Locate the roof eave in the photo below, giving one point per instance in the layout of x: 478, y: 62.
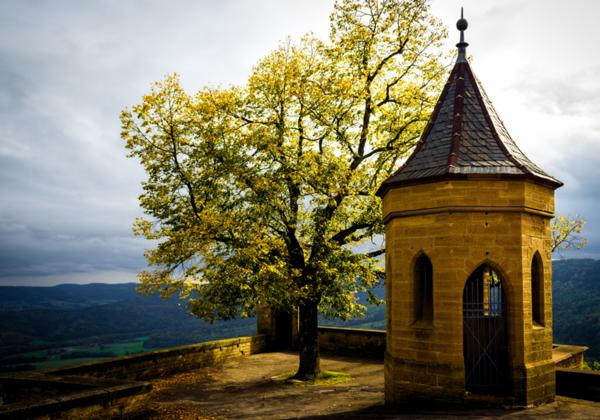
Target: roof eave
x: 391, y: 183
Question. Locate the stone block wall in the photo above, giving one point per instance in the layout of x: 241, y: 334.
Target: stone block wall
x: 111, y: 388
x: 279, y: 327
x: 460, y: 225
x: 568, y: 356
x: 577, y: 383
x: 352, y: 342
x: 159, y: 363
x: 39, y: 396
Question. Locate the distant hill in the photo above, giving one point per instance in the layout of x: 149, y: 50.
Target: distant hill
x: 576, y: 303
x: 373, y: 319
x: 36, y: 318
x: 64, y: 296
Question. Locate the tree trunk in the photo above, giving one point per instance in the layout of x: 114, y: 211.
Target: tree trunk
x: 308, y: 340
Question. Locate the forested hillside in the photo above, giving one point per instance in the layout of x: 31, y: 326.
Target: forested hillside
x: 576, y: 304
x: 70, y: 323
x: 64, y: 296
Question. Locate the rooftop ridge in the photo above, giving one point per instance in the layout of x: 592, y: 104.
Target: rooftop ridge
x: 458, y: 114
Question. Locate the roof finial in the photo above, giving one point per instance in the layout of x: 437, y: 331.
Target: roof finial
x: 462, y: 25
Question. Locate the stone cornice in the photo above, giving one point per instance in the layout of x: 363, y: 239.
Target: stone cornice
x: 467, y: 209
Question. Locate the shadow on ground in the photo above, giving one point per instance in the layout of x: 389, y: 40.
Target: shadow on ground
x: 249, y: 388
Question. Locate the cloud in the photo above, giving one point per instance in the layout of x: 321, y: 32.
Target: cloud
x: 67, y: 68
x: 27, y: 250
x: 576, y: 94
x: 581, y: 175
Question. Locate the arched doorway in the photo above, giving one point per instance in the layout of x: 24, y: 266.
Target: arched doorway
x: 484, y: 332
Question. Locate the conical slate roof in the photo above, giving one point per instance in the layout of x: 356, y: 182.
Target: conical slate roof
x: 465, y: 136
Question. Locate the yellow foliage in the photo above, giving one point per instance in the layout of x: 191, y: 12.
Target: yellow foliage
x: 565, y: 233
x: 265, y: 192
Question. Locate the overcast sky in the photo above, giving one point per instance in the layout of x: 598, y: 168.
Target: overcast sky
x: 68, y: 194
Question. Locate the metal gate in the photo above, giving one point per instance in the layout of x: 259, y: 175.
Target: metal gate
x: 484, y: 332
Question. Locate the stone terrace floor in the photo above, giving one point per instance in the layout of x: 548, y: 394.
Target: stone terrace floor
x: 249, y: 388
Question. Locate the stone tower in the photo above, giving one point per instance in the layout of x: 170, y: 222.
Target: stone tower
x: 468, y: 264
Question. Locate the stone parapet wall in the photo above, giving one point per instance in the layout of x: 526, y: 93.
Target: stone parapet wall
x: 568, y: 356
x: 159, y: 363
x: 578, y: 383
x: 352, y: 341
x: 112, y: 388
x: 40, y: 396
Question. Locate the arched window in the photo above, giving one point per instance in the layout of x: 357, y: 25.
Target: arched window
x: 423, y: 289
x: 537, y: 289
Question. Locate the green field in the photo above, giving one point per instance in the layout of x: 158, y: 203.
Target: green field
x: 59, y: 357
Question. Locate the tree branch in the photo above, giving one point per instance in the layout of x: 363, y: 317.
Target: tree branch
x: 343, y: 234
x: 374, y: 254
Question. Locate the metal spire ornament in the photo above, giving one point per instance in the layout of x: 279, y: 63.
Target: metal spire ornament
x: 462, y: 25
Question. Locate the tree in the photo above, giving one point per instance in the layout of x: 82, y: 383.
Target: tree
x: 565, y: 233
x: 264, y: 193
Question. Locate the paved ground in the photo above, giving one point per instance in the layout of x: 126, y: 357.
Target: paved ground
x: 251, y: 388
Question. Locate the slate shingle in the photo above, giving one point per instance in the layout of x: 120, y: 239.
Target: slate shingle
x: 483, y: 146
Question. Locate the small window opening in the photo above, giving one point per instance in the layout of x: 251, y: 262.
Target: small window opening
x: 492, y: 293
x: 423, y: 289
x: 537, y: 290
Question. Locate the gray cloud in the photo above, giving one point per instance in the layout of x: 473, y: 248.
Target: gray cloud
x: 577, y: 94
x: 67, y: 68
x: 580, y: 195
